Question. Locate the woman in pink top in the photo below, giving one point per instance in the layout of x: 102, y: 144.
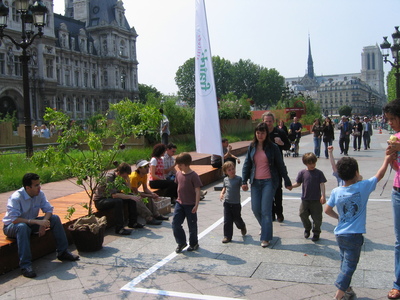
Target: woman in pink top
x: 392, y: 114
x: 264, y: 167
x: 157, y: 178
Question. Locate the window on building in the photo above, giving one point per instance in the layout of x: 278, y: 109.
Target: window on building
x: 49, y: 68
x: 76, y: 78
x: 78, y: 104
x: 15, y: 15
x: 116, y: 79
x: 373, y: 61
x: 105, y: 78
x: 58, y: 74
x: 122, y: 48
x: 69, y: 105
x: 85, y: 79
x: 123, y: 81
x: 17, y: 67
x: 67, y: 78
x: 94, y: 79
x: 2, y: 64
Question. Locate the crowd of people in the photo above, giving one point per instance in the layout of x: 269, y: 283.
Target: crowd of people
x: 263, y: 169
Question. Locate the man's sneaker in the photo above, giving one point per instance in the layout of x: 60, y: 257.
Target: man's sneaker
x: 349, y: 294
x: 66, y: 255
x: 154, y: 222
x: 315, y: 238
x: 135, y: 225
x: 162, y: 218
x: 123, y: 231
x: 180, y: 248
x: 226, y: 240
x: 193, y: 248
x: 306, y: 234
x: 28, y: 272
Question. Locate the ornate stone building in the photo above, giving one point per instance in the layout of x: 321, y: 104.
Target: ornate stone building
x: 84, y: 61
x: 361, y: 91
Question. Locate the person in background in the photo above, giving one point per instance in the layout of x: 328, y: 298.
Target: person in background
x: 105, y: 198
x: 169, y: 162
x: 278, y: 137
x: 328, y: 134
x: 164, y: 128
x: 21, y: 221
x: 367, y: 133
x: 357, y: 133
x: 281, y: 125
x: 344, y: 139
x: 149, y: 210
x: 317, y: 130
x: 44, y: 131
x: 36, y: 131
x: 157, y: 175
x: 296, y: 128
x: 216, y: 160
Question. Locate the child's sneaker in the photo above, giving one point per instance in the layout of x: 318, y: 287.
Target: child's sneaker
x: 180, y: 248
x: 193, y: 248
x: 349, y: 294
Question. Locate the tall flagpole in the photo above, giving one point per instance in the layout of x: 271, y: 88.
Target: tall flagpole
x: 207, y: 128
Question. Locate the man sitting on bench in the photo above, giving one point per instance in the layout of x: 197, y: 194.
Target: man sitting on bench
x: 21, y: 220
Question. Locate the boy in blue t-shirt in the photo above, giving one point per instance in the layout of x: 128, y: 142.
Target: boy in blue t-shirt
x: 351, y: 203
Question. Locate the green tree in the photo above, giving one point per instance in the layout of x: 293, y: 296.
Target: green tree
x: 345, y: 110
x: 245, y: 78
x: 391, y: 84
x: 145, y: 90
x: 185, y: 80
x: 223, y: 73
x: 268, y: 88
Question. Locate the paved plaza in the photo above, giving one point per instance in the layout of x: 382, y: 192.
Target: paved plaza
x: 144, y: 265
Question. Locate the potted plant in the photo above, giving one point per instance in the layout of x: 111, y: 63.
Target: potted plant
x: 80, y: 154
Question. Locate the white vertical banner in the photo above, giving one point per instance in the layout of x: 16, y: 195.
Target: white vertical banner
x: 207, y: 129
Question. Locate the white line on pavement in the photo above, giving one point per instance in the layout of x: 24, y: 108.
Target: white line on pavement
x: 130, y: 286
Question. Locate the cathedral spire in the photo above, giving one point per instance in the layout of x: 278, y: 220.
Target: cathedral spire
x: 310, y: 63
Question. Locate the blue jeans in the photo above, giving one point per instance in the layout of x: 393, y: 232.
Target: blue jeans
x: 22, y: 232
x: 262, y: 196
x: 350, y: 249
x: 317, y: 146
x: 329, y: 143
x: 180, y: 213
x: 396, y: 219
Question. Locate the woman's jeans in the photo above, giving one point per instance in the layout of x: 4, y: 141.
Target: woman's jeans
x: 357, y: 141
x: 329, y: 143
x: 350, y: 249
x: 396, y: 220
x: 262, y: 196
x: 317, y: 146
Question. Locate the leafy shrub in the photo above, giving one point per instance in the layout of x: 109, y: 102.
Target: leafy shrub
x: 230, y: 107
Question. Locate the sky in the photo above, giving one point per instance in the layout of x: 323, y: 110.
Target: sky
x: 270, y: 33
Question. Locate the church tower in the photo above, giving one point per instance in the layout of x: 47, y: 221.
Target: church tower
x: 310, y: 63
x: 372, y: 68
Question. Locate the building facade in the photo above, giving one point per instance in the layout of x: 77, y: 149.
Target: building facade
x: 85, y: 60
x: 364, y: 92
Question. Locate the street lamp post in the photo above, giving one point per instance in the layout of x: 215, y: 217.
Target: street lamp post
x: 331, y: 108
x: 373, y: 100
x: 395, y: 49
x: 36, y: 15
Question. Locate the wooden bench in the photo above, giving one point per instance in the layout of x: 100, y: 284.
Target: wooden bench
x: 46, y: 245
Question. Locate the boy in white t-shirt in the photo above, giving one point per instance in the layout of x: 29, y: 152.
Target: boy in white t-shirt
x: 351, y: 203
